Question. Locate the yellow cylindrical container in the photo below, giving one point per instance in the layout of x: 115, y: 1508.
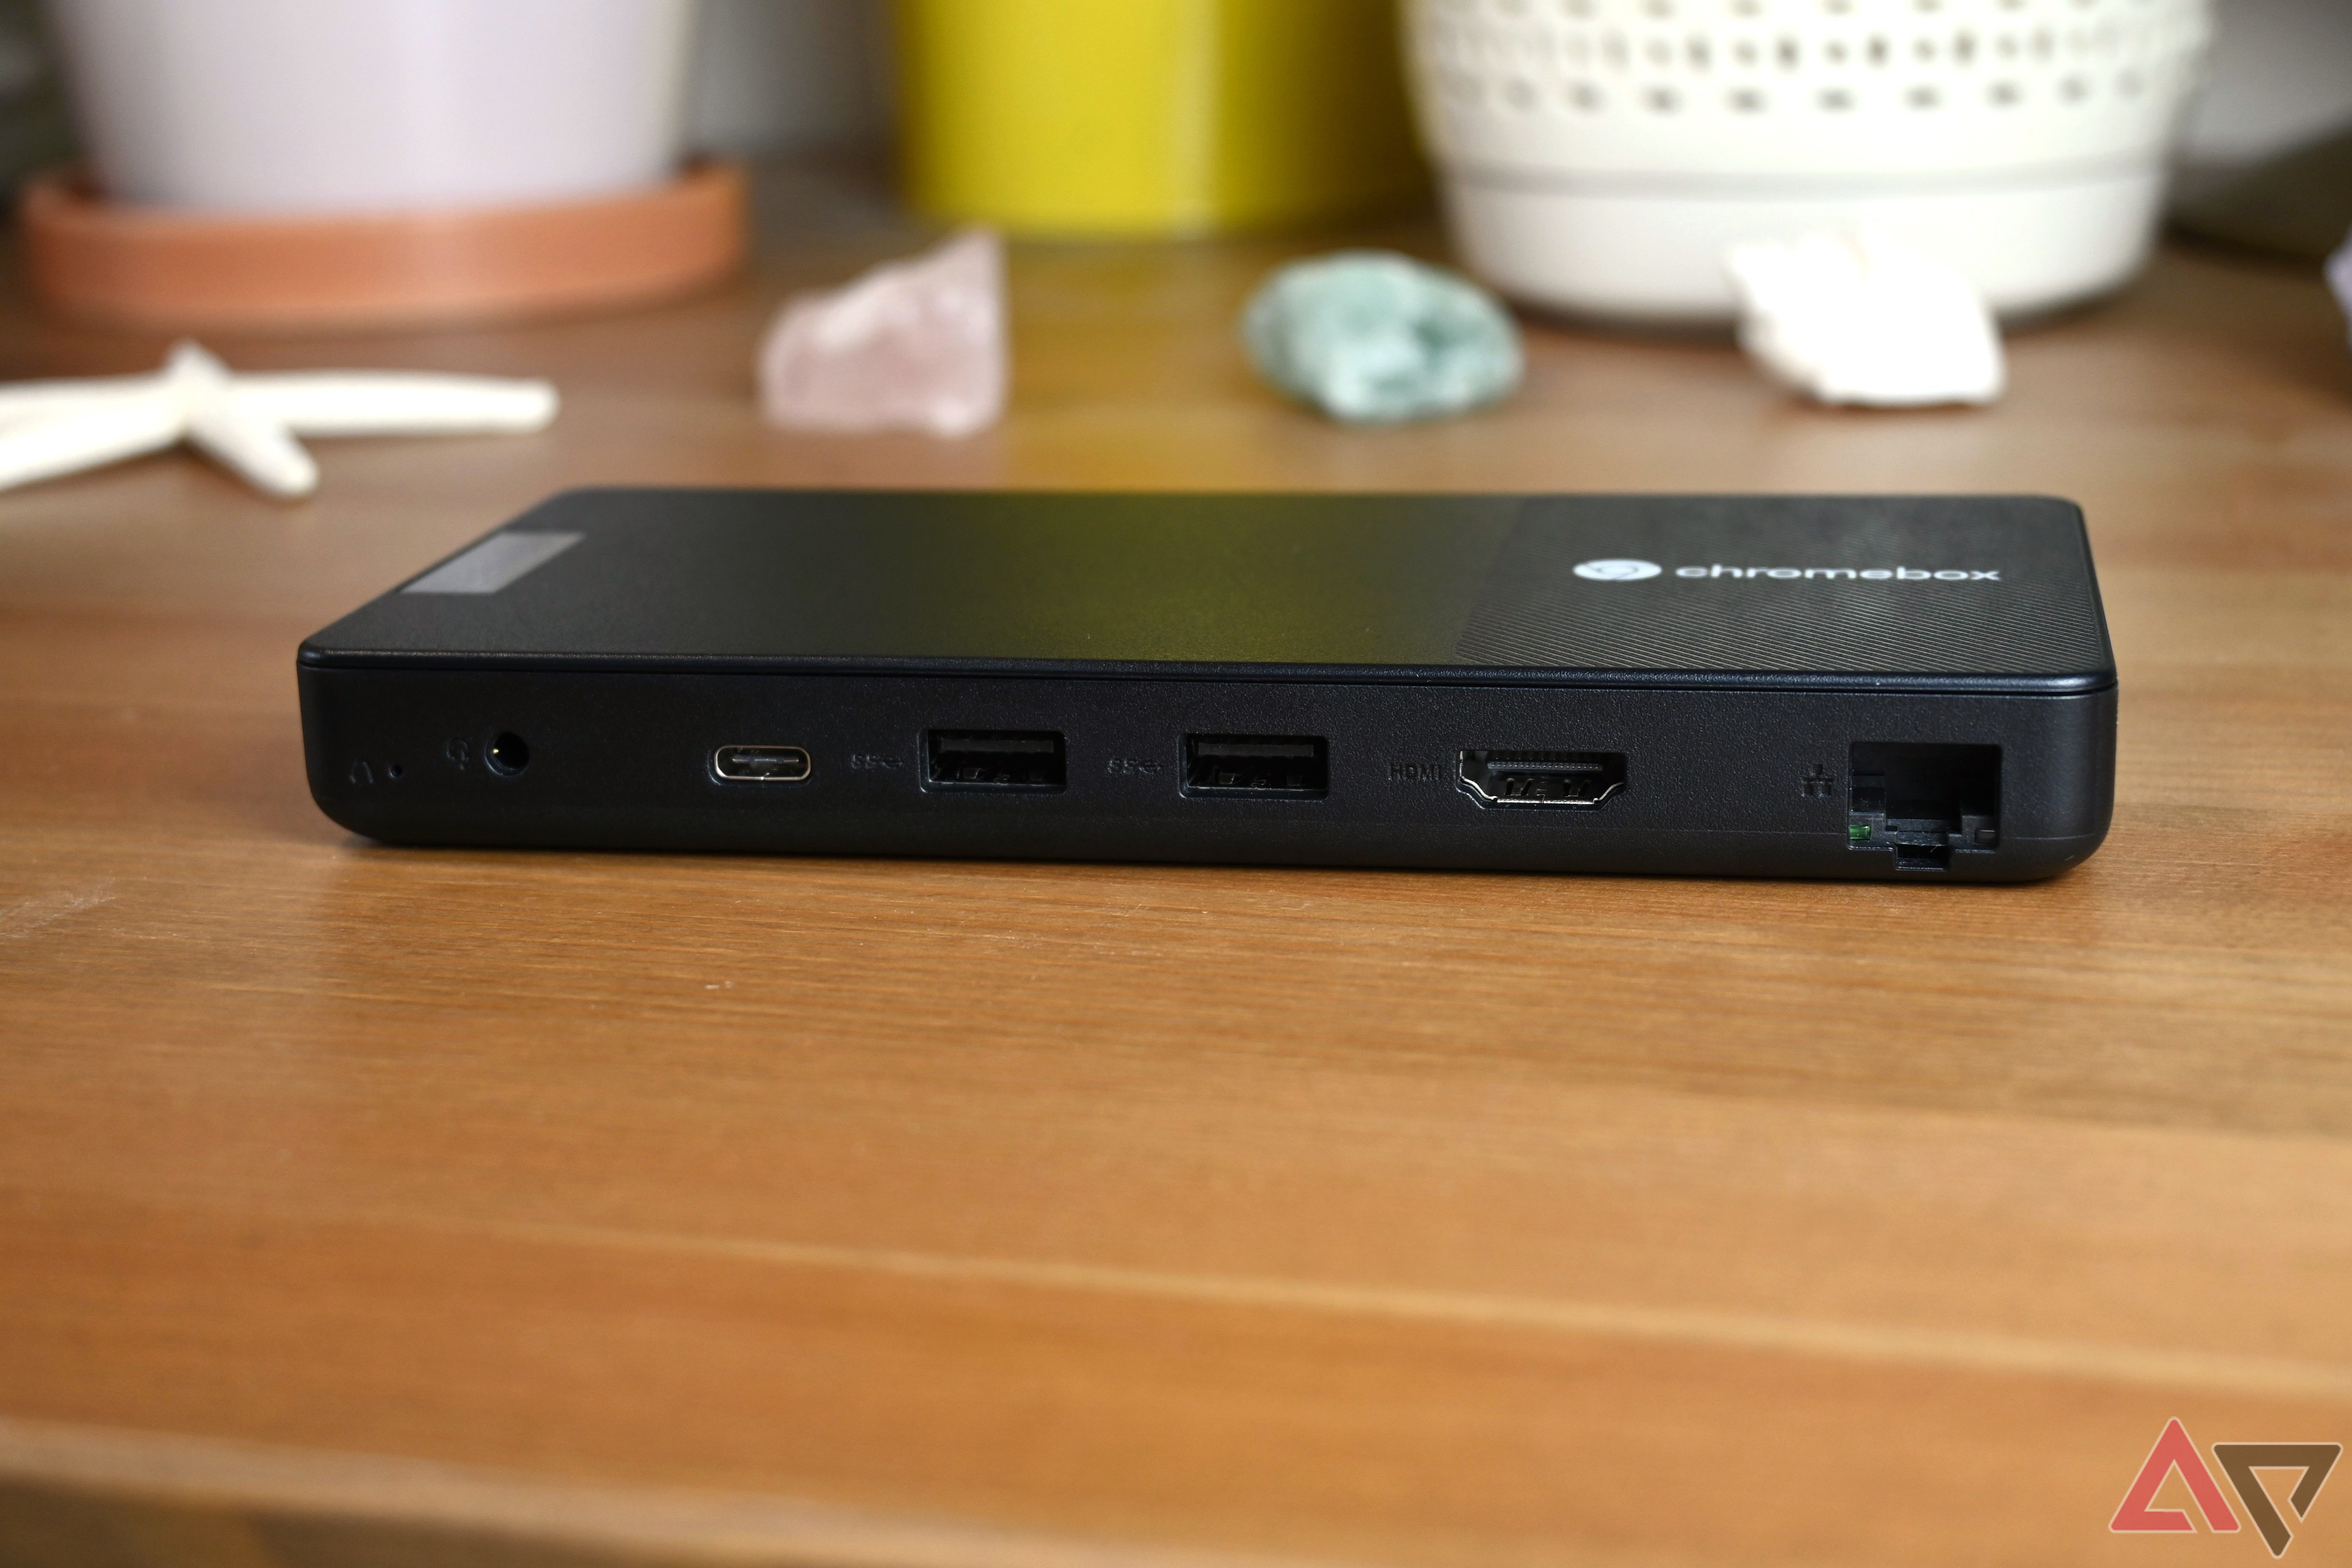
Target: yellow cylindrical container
x: 1152, y: 117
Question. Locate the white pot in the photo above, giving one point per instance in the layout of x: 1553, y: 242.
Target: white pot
x: 320, y: 107
x: 1602, y: 156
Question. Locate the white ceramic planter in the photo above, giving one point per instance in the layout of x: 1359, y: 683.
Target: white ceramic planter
x: 1602, y: 156
x: 321, y: 107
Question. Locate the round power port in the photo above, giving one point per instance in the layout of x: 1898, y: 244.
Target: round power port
x: 506, y: 754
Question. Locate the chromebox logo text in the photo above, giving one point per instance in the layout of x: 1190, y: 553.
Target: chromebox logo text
x: 1868, y: 574
x: 1620, y: 569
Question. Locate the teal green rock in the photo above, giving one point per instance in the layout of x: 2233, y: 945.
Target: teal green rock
x: 1374, y: 338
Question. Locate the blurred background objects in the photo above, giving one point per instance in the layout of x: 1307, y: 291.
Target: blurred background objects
x: 283, y: 164
x: 773, y: 77
x: 2266, y: 157
x: 2280, y: 78
x: 1079, y: 117
x: 294, y: 107
x: 34, y: 128
x: 1140, y: 117
x: 1603, y: 157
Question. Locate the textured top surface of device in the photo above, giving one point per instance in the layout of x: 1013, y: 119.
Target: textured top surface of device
x: 1986, y: 592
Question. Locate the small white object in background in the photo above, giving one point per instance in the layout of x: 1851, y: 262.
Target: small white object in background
x: 1863, y: 318
x: 909, y: 345
x: 2339, y: 276
x: 246, y: 423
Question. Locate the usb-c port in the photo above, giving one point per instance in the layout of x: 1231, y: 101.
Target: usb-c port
x: 761, y: 764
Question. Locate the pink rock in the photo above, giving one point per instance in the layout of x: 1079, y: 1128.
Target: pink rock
x: 918, y: 344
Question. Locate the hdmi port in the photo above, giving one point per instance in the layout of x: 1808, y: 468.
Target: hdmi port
x: 761, y: 764
x: 1570, y: 779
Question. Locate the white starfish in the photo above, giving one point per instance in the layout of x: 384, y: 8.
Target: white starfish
x: 248, y: 423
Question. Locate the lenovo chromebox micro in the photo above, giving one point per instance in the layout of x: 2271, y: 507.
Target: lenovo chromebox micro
x: 1912, y: 687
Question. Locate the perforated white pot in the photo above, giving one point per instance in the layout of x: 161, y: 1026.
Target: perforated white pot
x: 1600, y: 155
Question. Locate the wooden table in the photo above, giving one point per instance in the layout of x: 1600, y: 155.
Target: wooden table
x: 369, y: 1205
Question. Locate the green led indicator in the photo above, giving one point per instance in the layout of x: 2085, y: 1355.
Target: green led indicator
x: 1857, y: 832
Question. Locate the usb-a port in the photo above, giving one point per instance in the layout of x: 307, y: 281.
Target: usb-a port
x: 1029, y: 759
x: 1296, y: 766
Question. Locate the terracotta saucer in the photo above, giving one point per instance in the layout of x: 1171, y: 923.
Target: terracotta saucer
x: 161, y: 268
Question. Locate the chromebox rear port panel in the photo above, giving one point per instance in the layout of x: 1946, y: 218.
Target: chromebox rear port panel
x: 1941, y: 788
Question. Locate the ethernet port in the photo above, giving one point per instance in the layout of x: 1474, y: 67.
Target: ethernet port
x: 1924, y: 803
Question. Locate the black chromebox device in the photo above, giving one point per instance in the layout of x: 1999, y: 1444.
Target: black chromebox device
x: 1907, y: 687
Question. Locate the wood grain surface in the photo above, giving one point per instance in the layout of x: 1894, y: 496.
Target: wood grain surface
x: 381, y: 1207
